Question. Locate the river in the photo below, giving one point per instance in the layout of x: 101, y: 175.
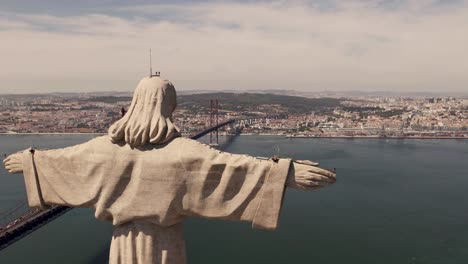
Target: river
x: 396, y: 201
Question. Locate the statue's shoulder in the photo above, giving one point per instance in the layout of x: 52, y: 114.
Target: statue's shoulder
x: 186, y: 140
x: 104, y: 141
x: 185, y: 143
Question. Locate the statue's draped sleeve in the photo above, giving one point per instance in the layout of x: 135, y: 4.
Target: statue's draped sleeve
x: 70, y: 176
x: 233, y: 187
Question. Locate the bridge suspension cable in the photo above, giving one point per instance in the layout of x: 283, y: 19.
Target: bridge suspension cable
x: 9, y: 212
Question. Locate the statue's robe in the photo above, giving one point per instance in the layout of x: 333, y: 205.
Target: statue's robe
x: 147, y: 192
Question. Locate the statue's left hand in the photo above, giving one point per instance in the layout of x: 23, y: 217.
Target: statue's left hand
x: 13, y: 163
x: 306, y: 175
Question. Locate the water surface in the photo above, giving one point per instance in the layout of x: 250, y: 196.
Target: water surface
x: 396, y: 201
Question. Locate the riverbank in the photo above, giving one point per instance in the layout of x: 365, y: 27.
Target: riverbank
x: 392, y: 196
x: 379, y: 137
x: 355, y: 136
x: 54, y: 133
x: 275, y: 135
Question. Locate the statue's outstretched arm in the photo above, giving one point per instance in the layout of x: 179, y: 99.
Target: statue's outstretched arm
x: 240, y: 187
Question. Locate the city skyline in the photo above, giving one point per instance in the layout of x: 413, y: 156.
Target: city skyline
x: 398, y: 46
x: 266, y: 114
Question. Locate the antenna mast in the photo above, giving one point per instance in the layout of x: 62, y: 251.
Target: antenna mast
x: 151, y: 65
x: 157, y: 74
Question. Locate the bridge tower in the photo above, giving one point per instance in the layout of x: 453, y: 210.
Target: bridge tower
x: 214, y: 121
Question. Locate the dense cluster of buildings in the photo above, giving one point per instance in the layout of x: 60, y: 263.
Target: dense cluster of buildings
x: 390, y: 117
x: 355, y: 117
x: 56, y: 114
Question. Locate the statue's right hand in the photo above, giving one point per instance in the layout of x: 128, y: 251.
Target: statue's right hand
x: 307, y: 176
x: 13, y: 163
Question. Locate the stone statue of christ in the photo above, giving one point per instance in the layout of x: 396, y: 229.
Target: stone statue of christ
x: 146, y: 179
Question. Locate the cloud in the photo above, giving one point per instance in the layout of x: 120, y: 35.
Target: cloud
x: 304, y: 45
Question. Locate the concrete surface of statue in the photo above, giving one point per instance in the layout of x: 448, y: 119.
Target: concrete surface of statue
x: 146, y: 179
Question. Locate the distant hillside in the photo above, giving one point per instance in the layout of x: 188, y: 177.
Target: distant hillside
x: 256, y: 102
x: 110, y: 99
x: 336, y: 94
x: 243, y: 102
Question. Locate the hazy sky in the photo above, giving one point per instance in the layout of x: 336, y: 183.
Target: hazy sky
x: 397, y: 45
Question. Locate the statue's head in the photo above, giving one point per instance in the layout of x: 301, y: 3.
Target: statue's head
x: 149, y: 118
